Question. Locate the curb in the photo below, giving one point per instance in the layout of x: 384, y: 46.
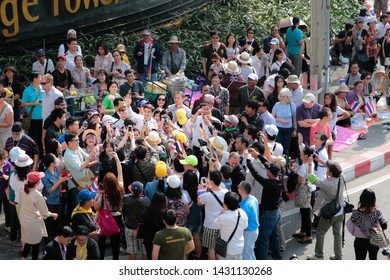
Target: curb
x: 366, y: 162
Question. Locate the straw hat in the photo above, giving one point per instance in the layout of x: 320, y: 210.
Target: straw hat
x: 343, y: 88
x: 91, y: 131
x: 244, y: 57
x: 153, y: 138
x: 219, y: 144
x: 232, y: 68
x: 174, y: 40
x: 293, y: 79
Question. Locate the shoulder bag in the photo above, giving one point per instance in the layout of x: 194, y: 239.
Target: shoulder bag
x: 217, y: 198
x: 378, y: 237
x: 221, y: 245
x: 105, y: 220
x: 333, y: 207
x: 26, y: 120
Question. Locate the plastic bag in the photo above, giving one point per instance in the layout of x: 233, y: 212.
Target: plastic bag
x: 381, y: 105
x: 358, y: 122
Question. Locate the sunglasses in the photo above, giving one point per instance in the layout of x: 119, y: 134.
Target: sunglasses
x: 44, y: 83
x: 160, y: 99
x: 2, y: 96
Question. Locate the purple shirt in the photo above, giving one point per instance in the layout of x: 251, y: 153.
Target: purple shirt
x: 4, y: 183
x: 302, y: 114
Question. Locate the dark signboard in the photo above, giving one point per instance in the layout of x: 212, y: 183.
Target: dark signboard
x: 26, y: 22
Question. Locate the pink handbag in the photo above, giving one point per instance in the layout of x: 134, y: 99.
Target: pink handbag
x: 105, y: 220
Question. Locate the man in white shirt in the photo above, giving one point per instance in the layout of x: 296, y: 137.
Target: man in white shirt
x: 230, y: 217
x: 141, y: 120
x: 212, y: 200
x: 51, y: 94
x: 271, y: 133
x: 71, y: 53
x: 64, y: 47
x: 382, y: 26
x: 43, y: 65
x: 294, y: 85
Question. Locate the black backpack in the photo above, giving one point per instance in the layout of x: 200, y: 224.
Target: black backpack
x: 292, y: 181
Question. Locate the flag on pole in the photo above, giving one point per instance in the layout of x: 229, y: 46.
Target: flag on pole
x: 342, y: 80
x: 369, y: 107
x: 355, y: 106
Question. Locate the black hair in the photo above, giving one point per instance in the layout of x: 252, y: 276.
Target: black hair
x: 102, y: 71
x: 167, y: 112
x: 104, y: 46
x: 174, y: 193
x: 286, y: 65
x: 244, y: 140
x: 323, y: 112
x: 295, y: 22
x: 190, y: 184
x: 235, y: 40
x: 333, y: 101
x: 77, y: 56
x: 155, y: 105
x: 82, y: 230
x: 259, y: 147
x: 358, y: 82
x: 212, y: 33
x: 265, y: 103
x: 52, y: 146
x: 128, y: 71
x: 367, y: 200
x: 219, y: 75
x: 70, y: 121
x: 177, y: 165
x: 252, y: 129
x: 170, y: 217
x: 140, y: 152
x: 66, y: 231
x: 307, y: 151
x: 215, y: 55
x: 48, y: 159
x: 110, y: 83
x: 57, y: 113
x: 348, y: 26
x: 323, y: 137
x: 277, y: 51
x: 226, y: 171
x: 251, y: 28
x: 22, y: 172
x: 34, y: 75
x: 364, y: 75
x: 252, y: 104
x: 117, y: 100
x: 231, y: 200
x: 71, y: 39
x: 216, y: 177
x: 246, y: 186
x: 69, y: 137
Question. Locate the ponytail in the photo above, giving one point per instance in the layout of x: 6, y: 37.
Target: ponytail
x: 29, y: 185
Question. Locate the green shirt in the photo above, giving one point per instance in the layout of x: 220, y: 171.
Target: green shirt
x: 172, y: 243
x: 109, y: 104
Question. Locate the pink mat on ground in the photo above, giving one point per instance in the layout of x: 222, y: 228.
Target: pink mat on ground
x: 345, y: 138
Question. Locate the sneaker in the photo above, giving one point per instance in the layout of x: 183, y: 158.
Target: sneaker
x: 313, y: 257
x: 282, y: 251
x: 333, y: 257
x: 123, y: 251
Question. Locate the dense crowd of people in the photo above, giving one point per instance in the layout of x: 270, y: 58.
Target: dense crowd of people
x: 165, y: 177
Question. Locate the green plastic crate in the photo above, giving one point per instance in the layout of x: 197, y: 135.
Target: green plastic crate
x: 152, y: 95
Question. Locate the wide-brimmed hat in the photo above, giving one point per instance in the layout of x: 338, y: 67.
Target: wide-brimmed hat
x: 343, y: 88
x: 244, y: 57
x: 219, y: 144
x: 23, y: 160
x: 293, y: 79
x: 174, y: 40
x: 232, y: 68
x: 91, y: 131
x: 379, y: 69
x: 11, y: 68
x: 14, y: 153
x: 153, y: 138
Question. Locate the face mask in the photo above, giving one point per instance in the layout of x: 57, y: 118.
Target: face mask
x: 40, y: 186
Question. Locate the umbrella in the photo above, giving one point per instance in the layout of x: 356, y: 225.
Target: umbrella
x: 287, y: 22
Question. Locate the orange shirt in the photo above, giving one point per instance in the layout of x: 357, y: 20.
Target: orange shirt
x: 317, y: 127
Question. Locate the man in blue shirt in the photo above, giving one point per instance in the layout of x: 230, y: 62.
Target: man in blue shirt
x: 251, y: 207
x: 32, y: 100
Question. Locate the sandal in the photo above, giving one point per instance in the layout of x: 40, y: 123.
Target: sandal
x: 362, y: 136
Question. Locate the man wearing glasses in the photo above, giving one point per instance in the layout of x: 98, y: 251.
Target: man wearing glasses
x: 43, y: 65
x: 57, y: 248
x: 76, y: 162
x: 248, y: 43
x: 133, y: 87
x: 214, y: 47
x: 51, y: 94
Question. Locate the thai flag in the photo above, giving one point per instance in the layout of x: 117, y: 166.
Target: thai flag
x: 355, y: 106
x: 177, y: 146
x: 371, y: 12
x: 342, y: 80
x: 369, y: 107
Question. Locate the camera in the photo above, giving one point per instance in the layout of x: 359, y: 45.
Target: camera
x: 386, y: 252
x: 165, y: 121
x: 138, y: 141
x: 202, y: 142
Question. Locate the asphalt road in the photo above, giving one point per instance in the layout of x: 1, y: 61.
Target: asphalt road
x: 378, y: 181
